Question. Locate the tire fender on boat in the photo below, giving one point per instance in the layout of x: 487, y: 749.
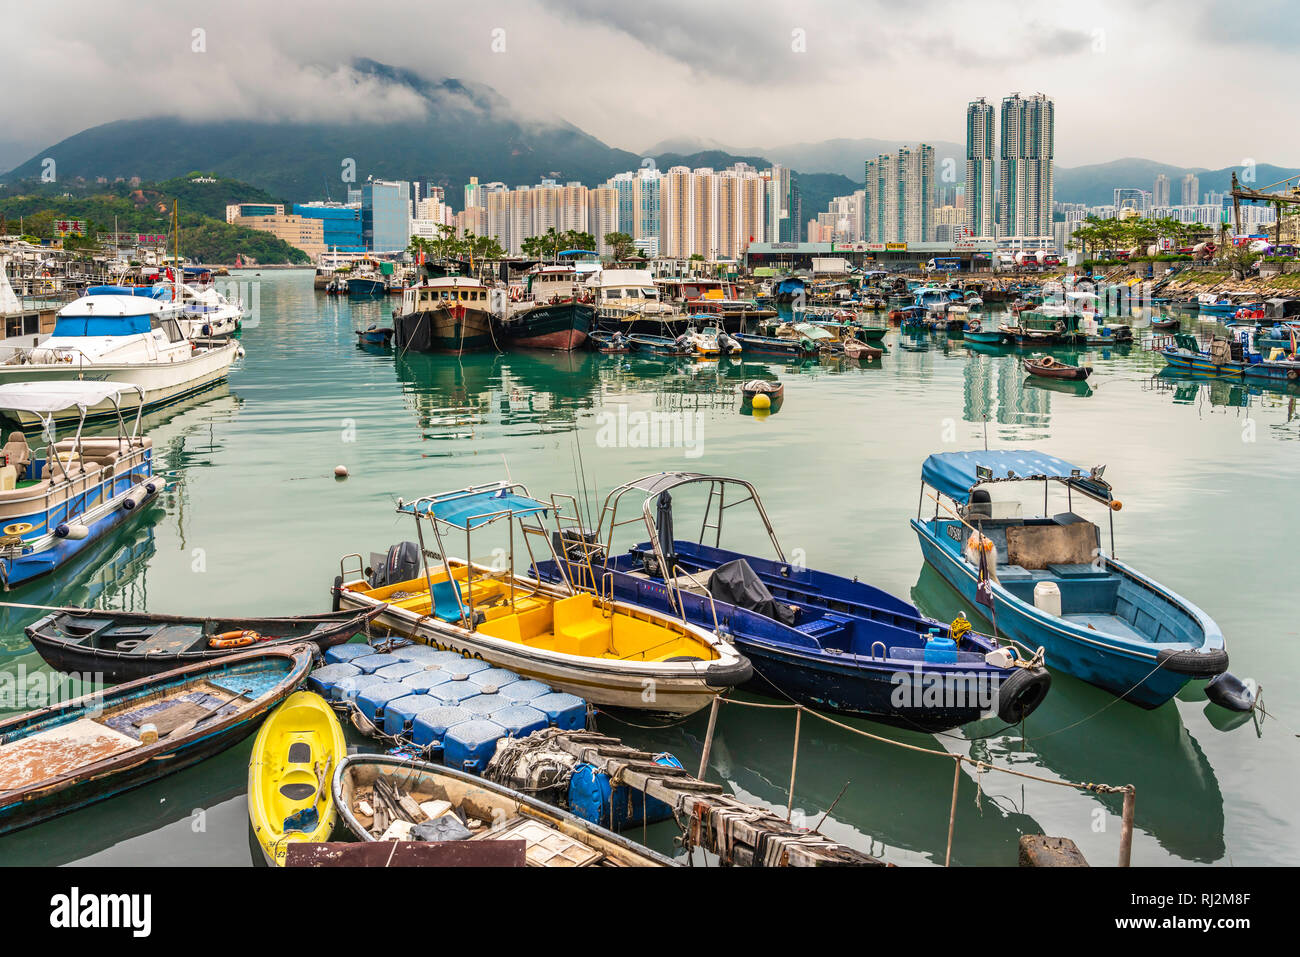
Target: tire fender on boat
x: 336, y: 593
x: 1021, y: 693
x: 1195, y: 664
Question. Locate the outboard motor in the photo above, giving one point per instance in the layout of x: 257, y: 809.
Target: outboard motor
x: 401, y: 564
x: 577, y: 545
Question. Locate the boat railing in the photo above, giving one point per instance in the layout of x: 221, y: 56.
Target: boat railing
x: 361, y: 568
x: 675, y: 584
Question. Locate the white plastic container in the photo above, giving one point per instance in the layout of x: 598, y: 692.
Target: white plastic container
x: 1047, y: 598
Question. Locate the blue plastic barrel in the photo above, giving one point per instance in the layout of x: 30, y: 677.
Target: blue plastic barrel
x: 492, y: 680
x: 455, y: 691
x: 519, y: 720
x: 592, y: 798
x: 484, y: 704
x: 398, y: 670
x: 426, y: 655
x: 525, y: 690
x: 422, y: 681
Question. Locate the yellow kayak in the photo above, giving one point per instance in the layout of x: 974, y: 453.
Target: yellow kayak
x: 294, y: 757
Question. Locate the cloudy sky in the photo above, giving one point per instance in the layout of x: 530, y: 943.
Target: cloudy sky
x: 751, y: 73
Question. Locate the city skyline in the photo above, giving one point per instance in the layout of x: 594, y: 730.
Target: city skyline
x: 273, y: 73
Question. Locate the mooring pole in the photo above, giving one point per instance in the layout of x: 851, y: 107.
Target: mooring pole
x: 708, y: 735
x: 1126, y: 833
x: 794, y: 761
x: 952, y: 810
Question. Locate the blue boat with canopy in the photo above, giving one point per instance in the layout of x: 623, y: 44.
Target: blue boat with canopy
x: 1047, y: 582
x: 826, y: 641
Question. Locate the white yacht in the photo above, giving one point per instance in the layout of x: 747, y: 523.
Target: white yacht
x: 207, y: 314
x: 111, y: 335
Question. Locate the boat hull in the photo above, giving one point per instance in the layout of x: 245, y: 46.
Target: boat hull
x: 162, y: 383
x: 88, y: 784
x: 446, y: 331
x: 680, y: 688
x: 561, y: 327
x: 1124, y: 672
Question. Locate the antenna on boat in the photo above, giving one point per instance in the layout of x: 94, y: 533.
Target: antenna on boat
x: 986, y: 431
x: 506, y: 463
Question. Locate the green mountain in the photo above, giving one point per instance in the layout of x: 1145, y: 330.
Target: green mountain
x: 205, y: 234
x: 1095, y: 184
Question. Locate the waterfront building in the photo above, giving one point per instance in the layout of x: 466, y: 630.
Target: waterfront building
x: 340, y: 224
x: 1160, y: 194
x: 386, y: 215
x: 898, y: 201
x: 603, y: 215
x: 784, y: 206
x: 237, y: 210
x: 1191, y: 190
x: 473, y: 194
x: 472, y: 219
x: 1027, y: 157
x: 302, y: 232
x: 980, y: 210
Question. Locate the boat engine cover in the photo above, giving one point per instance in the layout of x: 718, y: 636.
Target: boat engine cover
x: 401, y: 564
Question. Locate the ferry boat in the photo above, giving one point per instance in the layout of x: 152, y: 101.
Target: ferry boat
x: 447, y: 315
x: 1049, y: 584
x: 109, y: 336
x: 57, y: 501
x: 601, y: 649
x: 551, y: 310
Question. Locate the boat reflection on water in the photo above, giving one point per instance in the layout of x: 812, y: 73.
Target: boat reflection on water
x: 108, y: 574
x: 1179, y: 803
x: 892, y: 798
x: 1062, y: 386
x: 1188, y: 388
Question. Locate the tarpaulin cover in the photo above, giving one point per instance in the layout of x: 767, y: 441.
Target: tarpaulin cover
x: 737, y: 584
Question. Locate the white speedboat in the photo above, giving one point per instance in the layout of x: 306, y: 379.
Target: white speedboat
x: 207, y: 314
x: 109, y: 335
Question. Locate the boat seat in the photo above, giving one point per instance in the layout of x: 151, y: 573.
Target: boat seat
x: 589, y: 639
x: 1076, y: 570
x: 446, y: 601
x: 17, y: 451
x: 824, y: 625
x: 1013, y: 573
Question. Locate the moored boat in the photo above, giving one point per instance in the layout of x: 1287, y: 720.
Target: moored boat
x: 823, y: 640
x: 71, y: 754
x: 451, y: 805
x: 447, y: 315
x: 1049, y: 368
x: 290, y: 775
x: 57, y: 502
x: 1049, y: 584
x: 125, y: 645
x: 601, y: 650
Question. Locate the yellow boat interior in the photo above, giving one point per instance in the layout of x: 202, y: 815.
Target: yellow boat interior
x: 504, y: 606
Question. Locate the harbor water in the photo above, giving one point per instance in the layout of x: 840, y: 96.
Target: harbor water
x: 254, y: 522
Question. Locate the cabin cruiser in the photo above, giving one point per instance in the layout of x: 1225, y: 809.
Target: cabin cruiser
x: 110, y: 336
x: 628, y: 300
x: 207, y: 314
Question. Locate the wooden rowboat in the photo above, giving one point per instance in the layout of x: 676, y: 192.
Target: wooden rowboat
x: 1049, y: 368
x: 773, y: 390
x: 123, y: 645
x: 381, y: 797
x: 289, y: 774
x: 1164, y: 325
x: 66, y: 756
x: 860, y: 350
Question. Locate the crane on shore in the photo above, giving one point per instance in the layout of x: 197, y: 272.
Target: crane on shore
x: 1290, y: 197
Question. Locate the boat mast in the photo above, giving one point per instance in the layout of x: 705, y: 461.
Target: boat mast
x: 176, y: 245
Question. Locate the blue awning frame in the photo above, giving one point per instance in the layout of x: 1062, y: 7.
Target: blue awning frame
x: 475, y: 507
x: 957, y: 474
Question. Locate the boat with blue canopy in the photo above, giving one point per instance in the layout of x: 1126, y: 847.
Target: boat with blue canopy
x: 826, y: 641
x: 1048, y: 583
x: 596, y: 647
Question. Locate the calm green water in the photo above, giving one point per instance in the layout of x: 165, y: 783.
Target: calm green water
x: 254, y: 522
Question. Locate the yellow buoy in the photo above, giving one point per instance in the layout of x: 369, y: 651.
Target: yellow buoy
x: 761, y: 401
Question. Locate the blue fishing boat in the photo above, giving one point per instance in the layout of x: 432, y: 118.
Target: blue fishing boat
x: 72, y: 754
x: 657, y: 345
x: 976, y: 331
x: 1048, y: 583
x: 820, y: 639
x: 375, y: 335
x: 56, y: 501
x: 363, y: 287
x: 791, y: 348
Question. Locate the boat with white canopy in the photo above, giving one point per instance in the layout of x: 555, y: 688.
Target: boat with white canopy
x: 57, y: 500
